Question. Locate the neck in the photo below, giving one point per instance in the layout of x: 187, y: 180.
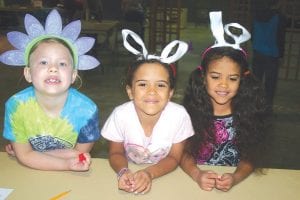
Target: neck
x: 221, y: 110
x: 52, y: 105
x: 148, y: 122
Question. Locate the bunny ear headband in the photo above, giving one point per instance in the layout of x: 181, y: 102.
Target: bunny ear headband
x: 164, y: 57
x: 53, y: 29
x: 218, y: 29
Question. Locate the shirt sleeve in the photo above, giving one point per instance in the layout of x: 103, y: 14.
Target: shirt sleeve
x: 90, y: 132
x: 112, y: 128
x: 8, y: 132
x: 185, y: 128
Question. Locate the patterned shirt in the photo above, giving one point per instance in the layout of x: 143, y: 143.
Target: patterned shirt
x: 223, y: 151
x: 25, y: 121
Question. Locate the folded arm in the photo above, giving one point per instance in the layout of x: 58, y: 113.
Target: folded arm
x: 64, y: 159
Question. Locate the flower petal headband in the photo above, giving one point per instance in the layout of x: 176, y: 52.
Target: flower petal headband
x: 53, y: 29
x: 164, y: 57
x: 218, y: 29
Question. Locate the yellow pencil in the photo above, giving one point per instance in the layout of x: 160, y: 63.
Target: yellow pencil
x: 57, y: 197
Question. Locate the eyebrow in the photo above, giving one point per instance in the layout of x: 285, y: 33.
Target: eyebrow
x: 221, y: 73
x: 155, y: 81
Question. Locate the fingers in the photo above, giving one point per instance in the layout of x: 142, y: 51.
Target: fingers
x: 143, y: 182
x: 10, y: 150
x: 207, y: 180
x: 126, y: 182
x: 225, y: 182
x: 80, y: 163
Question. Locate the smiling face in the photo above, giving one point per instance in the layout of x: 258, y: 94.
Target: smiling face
x: 150, y: 90
x: 51, y: 69
x: 222, y: 83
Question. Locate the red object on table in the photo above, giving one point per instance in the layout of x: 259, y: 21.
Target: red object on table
x: 81, y: 157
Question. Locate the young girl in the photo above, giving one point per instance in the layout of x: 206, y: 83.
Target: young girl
x: 148, y: 129
x: 50, y: 125
x: 227, y: 109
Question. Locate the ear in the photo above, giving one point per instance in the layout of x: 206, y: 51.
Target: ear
x: 171, y: 94
x: 129, y: 92
x: 27, y: 74
x: 74, y: 75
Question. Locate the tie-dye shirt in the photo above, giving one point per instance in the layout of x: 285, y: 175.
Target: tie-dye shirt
x: 25, y: 121
x: 224, y: 150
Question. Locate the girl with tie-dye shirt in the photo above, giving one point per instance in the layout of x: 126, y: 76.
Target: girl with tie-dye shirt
x: 50, y: 125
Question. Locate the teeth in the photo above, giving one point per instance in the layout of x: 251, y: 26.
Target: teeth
x: 52, y: 80
x: 222, y: 93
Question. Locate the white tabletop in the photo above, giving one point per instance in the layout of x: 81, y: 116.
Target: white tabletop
x: 101, y: 183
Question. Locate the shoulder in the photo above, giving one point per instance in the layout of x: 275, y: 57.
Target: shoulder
x: 175, y: 112
x: 125, y: 109
x: 172, y: 107
x: 79, y: 99
x: 22, y: 95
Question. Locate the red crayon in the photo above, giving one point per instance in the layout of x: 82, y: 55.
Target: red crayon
x: 81, y: 157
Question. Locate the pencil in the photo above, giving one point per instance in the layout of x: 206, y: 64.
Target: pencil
x: 57, y: 197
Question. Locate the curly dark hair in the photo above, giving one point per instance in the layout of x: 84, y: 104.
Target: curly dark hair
x: 137, y: 63
x: 248, y: 108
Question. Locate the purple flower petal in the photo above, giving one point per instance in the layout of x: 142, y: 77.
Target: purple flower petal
x: 84, y: 44
x: 53, y: 23
x: 18, y: 40
x: 72, y: 30
x: 87, y: 62
x: 33, y: 27
x: 13, y: 57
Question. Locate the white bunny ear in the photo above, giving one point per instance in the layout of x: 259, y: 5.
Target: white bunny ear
x: 181, y: 50
x: 217, y: 29
x: 245, y: 36
x: 216, y: 26
x: 137, y: 39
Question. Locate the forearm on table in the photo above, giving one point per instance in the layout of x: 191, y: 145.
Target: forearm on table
x: 169, y: 163
x: 163, y: 167
x: 42, y: 161
x: 118, y: 161
x: 243, y: 170
x: 62, y: 153
x: 189, y: 166
x: 71, y: 153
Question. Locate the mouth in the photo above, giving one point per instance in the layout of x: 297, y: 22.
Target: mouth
x: 52, y: 81
x: 151, y: 101
x: 222, y: 93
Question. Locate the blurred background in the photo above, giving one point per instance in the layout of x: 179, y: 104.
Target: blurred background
x: 159, y: 22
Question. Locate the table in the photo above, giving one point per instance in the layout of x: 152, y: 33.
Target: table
x: 109, y: 29
x: 100, y: 183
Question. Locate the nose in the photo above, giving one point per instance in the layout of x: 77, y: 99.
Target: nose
x: 223, y: 83
x: 52, y: 68
x: 151, y: 90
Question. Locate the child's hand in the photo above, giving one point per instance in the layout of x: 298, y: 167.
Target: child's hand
x: 126, y: 181
x: 206, y: 180
x: 10, y: 150
x: 225, y: 182
x: 80, y: 163
x: 143, y: 182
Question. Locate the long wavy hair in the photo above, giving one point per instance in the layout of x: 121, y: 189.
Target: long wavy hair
x: 248, y: 108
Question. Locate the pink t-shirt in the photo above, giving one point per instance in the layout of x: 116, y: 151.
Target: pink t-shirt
x: 173, y: 126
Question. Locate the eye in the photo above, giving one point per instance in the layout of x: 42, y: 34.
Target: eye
x: 63, y: 64
x: 234, y: 78
x: 141, y: 84
x: 215, y: 76
x: 43, y: 62
x: 162, y: 85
